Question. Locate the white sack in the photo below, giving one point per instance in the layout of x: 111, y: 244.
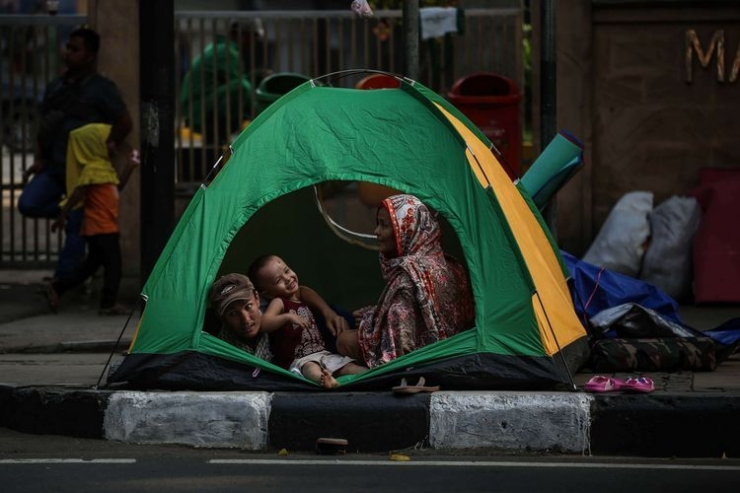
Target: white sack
x: 667, y: 262
x: 621, y: 242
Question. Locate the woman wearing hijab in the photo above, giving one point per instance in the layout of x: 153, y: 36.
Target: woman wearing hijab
x: 427, y: 296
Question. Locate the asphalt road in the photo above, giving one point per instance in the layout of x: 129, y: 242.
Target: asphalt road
x: 35, y: 463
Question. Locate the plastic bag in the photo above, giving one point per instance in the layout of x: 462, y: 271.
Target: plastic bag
x: 632, y: 320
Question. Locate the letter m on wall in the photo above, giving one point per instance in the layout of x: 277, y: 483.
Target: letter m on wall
x: 694, y: 45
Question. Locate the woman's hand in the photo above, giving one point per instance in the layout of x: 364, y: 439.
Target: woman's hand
x: 360, y: 313
x: 335, y: 323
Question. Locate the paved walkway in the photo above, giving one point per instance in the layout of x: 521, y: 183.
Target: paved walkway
x: 50, y: 365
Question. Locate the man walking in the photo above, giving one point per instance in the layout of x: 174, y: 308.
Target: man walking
x: 76, y: 98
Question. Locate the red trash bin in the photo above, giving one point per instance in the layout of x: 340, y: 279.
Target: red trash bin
x: 378, y: 81
x: 491, y: 102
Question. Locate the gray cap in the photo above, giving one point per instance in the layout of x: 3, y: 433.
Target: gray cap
x: 229, y: 288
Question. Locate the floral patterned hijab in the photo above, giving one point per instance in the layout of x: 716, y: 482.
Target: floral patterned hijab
x: 416, y: 230
x: 427, y: 297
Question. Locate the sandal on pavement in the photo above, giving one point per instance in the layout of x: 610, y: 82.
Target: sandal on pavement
x: 639, y: 384
x: 601, y: 383
x: 331, y: 445
x: 114, y: 310
x: 405, y: 388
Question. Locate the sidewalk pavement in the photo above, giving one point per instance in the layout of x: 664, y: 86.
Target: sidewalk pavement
x: 50, y: 365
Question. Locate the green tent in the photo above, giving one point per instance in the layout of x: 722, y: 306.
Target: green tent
x: 262, y: 200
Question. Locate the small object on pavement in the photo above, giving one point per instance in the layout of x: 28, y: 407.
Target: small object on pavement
x: 399, y: 457
x: 405, y: 388
x: 283, y: 452
x: 601, y: 383
x: 331, y: 445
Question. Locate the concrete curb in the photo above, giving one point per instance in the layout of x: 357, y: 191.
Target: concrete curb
x: 213, y: 420
x: 674, y: 425
x: 503, y: 422
x: 55, y: 411
x: 519, y: 422
x: 370, y: 422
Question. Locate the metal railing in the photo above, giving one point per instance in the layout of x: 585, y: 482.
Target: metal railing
x: 309, y: 43
x: 29, y: 58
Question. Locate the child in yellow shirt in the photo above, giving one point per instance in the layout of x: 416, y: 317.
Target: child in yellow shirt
x: 93, y: 184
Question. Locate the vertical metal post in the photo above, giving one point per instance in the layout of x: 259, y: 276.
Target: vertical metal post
x: 411, y: 38
x: 157, y: 64
x: 548, y: 92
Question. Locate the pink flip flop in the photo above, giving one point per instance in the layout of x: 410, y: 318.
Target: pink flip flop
x: 639, y: 384
x: 601, y: 383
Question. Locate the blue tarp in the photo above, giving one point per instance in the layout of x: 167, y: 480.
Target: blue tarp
x: 595, y: 289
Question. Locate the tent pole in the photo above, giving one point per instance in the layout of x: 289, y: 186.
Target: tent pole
x: 560, y: 350
x: 479, y: 166
x: 115, y: 346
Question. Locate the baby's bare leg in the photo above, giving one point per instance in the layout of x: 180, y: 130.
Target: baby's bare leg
x: 314, y: 372
x: 351, y: 369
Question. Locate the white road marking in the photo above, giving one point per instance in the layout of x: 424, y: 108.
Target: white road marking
x: 574, y: 465
x: 67, y: 461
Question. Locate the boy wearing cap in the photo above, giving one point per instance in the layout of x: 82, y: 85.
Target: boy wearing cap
x: 237, y: 305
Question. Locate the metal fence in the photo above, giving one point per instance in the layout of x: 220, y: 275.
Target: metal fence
x: 306, y: 43
x: 29, y: 58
